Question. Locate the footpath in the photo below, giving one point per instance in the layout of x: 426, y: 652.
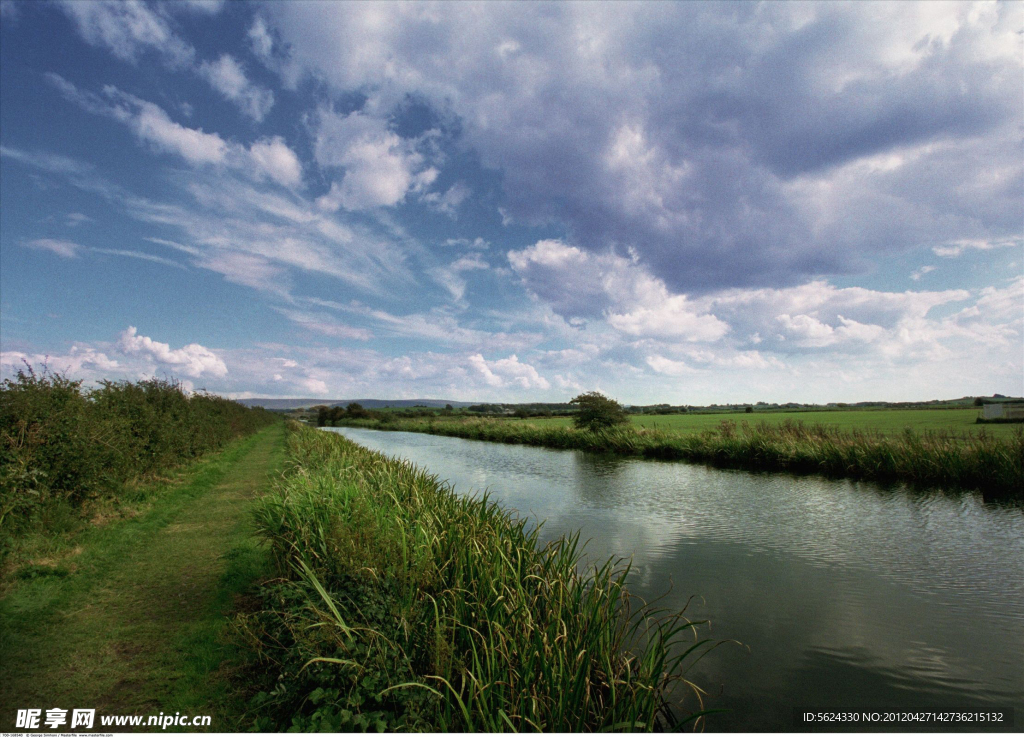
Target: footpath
x: 141, y: 624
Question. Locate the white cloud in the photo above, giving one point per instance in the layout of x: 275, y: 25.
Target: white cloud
x: 918, y: 273
x: 508, y: 372
x: 80, y: 360
x: 273, y: 157
x: 952, y: 249
x: 380, y: 167
x: 64, y: 249
x: 579, y: 284
x: 324, y: 324
x: 259, y: 37
x: 127, y: 28
x: 152, y: 124
x: 266, y: 158
x: 193, y: 359
x: 449, y: 202
x: 227, y: 76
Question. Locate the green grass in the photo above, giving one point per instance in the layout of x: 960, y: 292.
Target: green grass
x: 403, y: 606
x: 138, y: 623
x: 982, y: 461
x: 885, y: 421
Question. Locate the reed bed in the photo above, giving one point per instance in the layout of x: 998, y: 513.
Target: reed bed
x: 980, y: 461
x: 402, y: 606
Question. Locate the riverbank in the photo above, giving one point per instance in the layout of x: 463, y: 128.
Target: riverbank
x: 402, y: 606
x: 995, y: 466
x: 131, y: 615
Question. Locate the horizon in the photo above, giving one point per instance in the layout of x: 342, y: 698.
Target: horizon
x: 667, y: 203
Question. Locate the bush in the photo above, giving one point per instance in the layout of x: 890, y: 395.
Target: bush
x: 61, y: 443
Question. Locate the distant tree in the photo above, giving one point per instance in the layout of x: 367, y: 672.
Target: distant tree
x: 597, y: 412
x: 321, y: 415
x: 979, y: 402
x: 356, y: 411
x: 448, y: 407
x: 522, y: 413
x: 749, y: 409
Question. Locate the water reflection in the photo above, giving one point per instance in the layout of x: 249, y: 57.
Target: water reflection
x: 847, y: 594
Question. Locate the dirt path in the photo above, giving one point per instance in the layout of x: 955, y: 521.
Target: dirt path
x: 140, y: 627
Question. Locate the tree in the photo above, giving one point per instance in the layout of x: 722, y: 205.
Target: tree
x: 598, y: 412
x: 356, y: 411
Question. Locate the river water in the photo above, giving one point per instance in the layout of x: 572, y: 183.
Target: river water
x: 846, y: 596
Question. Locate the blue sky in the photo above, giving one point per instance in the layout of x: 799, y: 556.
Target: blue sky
x: 666, y: 202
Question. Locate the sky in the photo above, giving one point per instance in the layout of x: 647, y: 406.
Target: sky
x: 688, y: 202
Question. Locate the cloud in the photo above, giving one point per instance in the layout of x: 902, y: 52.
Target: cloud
x: 267, y: 158
x: 506, y: 372
x: 127, y: 28
x: 380, y: 167
x: 324, y: 324
x: 450, y: 276
x: 578, y: 284
x: 952, y: 249
x: 273, y: 157
x: 192, y: 360
x: 449, y: 202
x: 918, y: 273
x: 227, y: 76
x: 64, y: 249
x: 741, y: 145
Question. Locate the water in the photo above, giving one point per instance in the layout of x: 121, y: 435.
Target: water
x: 848, y: 596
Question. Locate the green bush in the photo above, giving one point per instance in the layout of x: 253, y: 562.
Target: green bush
x: 62, y: 443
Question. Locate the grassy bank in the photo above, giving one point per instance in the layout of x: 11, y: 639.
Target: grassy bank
x: 64, y: 448
x: 131, y: 616
x: 402, y: 606
x: 885, y: 421
x: 995, y: 465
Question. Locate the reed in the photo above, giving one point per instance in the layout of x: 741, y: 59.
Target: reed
x: 401, y: 605
x: 993, y: 465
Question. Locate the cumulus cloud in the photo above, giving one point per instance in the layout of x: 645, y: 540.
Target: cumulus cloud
x: 227, y: 76
x: 578, y: 284
x: 505, y: 372
x: 272, y: 157
x: 266, y: 158
x: 380, y: 167
x: 740, y: 145
x: 192, y: 360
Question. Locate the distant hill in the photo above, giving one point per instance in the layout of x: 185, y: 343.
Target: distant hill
x: 268, y: 403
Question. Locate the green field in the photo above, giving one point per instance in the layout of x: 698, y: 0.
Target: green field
x: 888, y: 421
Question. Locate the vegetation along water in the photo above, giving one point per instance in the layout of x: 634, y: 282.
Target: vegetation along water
x: 402, y: 605
x: 980, y: 460
x: 844, y: 594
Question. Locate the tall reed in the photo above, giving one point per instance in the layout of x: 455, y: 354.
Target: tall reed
x: 402, y: 605
x: 977, y: 461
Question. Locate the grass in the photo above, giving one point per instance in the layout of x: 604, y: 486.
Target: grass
x: 402, y: 606
x: 881, y: 421
x: 994, y: 465
x: 133, y: 617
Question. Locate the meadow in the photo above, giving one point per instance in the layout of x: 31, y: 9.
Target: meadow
x: 883, y: 421
x: 399, y: 605
x: 980, y: 460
